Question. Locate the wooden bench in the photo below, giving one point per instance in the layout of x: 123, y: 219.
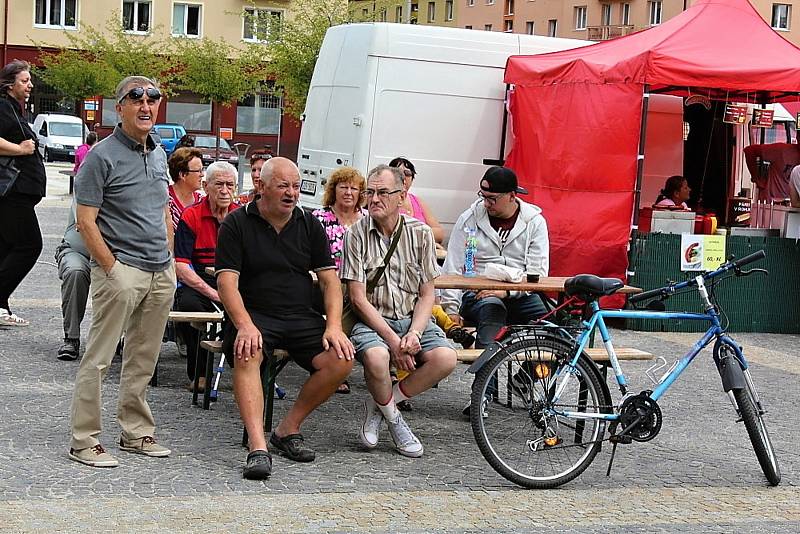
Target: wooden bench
x: 273, y: 364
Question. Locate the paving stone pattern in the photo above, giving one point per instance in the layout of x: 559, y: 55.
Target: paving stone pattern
x: 698, y: 475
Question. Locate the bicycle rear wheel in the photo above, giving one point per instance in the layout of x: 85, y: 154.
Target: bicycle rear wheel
x: 759, y: 437
x: 521, y: 433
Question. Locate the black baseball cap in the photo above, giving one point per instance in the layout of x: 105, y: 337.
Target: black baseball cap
x: 501, y: 180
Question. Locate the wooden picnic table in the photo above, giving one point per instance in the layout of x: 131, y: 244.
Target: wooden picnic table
x: 546, y: 284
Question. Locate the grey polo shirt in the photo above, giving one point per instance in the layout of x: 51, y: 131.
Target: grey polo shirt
x: 128, y: 183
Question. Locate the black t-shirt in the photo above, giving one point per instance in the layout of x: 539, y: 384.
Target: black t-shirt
x: 503, y: 227
x: 32, y: 178
x: 273, y: 267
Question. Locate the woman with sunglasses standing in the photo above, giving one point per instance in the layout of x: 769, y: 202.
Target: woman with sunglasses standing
x: 413, y: 206
x: 20, y: 236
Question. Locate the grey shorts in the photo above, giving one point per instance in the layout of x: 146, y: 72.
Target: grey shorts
x: 363, y: 337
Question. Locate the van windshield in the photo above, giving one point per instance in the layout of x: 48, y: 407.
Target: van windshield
x: 67, y: 129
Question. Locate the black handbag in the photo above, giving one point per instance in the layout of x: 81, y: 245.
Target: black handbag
x: 8, y: 174
x: 8, y: 167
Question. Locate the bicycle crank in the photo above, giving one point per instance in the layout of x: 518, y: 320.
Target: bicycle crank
x: 640, y: 417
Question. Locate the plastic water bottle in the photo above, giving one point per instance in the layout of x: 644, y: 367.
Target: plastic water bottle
x: 470, y: 249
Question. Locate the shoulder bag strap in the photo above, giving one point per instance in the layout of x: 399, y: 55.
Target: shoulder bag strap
x: 377, y: 276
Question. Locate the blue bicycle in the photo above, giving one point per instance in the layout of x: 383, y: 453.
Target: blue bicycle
x: 558, y: 406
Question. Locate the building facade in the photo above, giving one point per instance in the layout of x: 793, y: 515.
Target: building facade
x: 598, y: 20
x: 257, y: 120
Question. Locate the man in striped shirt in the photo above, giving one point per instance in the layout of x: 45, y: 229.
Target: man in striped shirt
x: 396, y: 326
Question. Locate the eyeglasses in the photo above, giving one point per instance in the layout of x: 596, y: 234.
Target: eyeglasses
x: 200, y: 170
x: 490, y: 199
x: 383, y: 194
x: 153, y: 95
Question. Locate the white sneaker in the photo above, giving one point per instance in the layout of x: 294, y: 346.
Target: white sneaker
x: 9, y: 319
x: 405, y: 441
x: 371, y: 426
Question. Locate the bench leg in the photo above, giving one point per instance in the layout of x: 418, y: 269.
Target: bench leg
x: 207, y: 372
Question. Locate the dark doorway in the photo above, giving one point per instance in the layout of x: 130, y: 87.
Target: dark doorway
x: 707, y: 157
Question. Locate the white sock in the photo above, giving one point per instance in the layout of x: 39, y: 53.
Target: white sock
x: 397, y: 393
x: 389, y: 410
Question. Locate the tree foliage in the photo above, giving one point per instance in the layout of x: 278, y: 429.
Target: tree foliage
x: 94, y: 62
x: 293, y: 45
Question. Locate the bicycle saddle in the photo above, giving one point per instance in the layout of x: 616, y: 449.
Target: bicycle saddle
x: 591, y: 286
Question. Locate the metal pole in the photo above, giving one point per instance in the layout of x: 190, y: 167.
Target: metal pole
x: 639, y: 176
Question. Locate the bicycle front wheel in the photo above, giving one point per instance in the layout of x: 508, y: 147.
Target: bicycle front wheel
x: 522, y: 433
x: 757, y: 430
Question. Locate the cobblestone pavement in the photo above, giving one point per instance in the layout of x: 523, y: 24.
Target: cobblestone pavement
x: 698, y: 475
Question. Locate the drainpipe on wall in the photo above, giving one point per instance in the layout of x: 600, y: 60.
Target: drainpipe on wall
x: 5, y: 33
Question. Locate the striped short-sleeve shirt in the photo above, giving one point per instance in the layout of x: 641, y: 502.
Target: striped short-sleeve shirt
x: 412, y: 264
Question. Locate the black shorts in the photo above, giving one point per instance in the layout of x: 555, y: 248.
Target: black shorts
x: 298, y: 334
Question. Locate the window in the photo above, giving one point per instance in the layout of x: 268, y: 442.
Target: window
x: 580, y: 18
x: 431, y: 11
x: 470, y: 3
x: 259, y: 22
x: 59, y: 13
x: 365, y: 12
x: 186, y: 20
x: 654, y: 13
x: 398, y: 14
x: 508, y: 26
x: 448, y: 10
x: 136, y: 16
x: 529, y: 27
x: 383, y: 15
x: 781, y: 16
x: 189, y: 110
x: 605, y: 14
x: 625, y: 15
x: 552, y: 27
x: 489, y: 2
x: 468, y: 27
x: 487, y: 27
x: 259, y: 114
x: 509, y: 7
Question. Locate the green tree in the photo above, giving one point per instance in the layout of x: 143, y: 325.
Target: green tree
x: 293, y: 45
x: 94, y: 62
x: 218, y: 72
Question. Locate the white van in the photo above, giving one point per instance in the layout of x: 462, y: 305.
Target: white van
x: 433, y: 95
x: 59, y: 135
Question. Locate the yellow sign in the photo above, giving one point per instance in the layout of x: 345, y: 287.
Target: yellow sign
x: 702, y: 252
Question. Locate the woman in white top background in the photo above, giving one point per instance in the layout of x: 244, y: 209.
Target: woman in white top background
x: 675, y: 193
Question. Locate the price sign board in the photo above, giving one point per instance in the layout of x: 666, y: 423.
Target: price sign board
x: 702, y: 252
x: 735, y: 113
x: 762, y: 118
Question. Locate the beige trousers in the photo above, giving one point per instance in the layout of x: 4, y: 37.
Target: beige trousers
x: 138, y: 303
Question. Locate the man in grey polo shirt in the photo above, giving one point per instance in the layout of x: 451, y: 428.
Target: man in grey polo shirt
x: 396, y: 324
x: 123, y: 216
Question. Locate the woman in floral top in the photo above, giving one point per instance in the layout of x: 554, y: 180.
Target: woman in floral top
x: 341, y: 207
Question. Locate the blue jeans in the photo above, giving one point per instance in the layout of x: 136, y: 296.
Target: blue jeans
x: 491, y: 314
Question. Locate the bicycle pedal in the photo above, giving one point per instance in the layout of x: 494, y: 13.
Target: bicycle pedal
x: 621, y: 438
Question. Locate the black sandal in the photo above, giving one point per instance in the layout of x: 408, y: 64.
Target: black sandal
x: 258, y: 466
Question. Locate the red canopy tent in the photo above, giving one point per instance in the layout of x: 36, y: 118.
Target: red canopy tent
x: 577, y: 117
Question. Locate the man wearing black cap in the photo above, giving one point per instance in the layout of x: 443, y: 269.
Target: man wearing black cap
x: 509, y: 231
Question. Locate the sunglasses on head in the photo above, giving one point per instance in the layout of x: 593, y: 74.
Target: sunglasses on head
x: 136, y: 93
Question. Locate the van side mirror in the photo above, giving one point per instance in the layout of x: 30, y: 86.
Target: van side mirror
x: 43, y: 129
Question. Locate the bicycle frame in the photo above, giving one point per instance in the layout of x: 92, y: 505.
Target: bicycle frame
x: 597, y: 320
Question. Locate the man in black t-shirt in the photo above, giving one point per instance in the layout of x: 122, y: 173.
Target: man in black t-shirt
x: 264, y: 254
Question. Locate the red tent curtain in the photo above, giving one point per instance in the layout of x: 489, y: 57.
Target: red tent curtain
x: 575, y: 148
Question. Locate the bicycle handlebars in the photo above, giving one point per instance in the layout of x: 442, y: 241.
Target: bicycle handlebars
x: 671, y: 288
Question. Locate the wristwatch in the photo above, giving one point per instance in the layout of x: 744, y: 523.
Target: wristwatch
x: 416, y: 333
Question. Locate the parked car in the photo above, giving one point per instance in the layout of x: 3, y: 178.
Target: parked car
x: 208, y: 146
x: 169, y: 135
x: 59, y: 135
